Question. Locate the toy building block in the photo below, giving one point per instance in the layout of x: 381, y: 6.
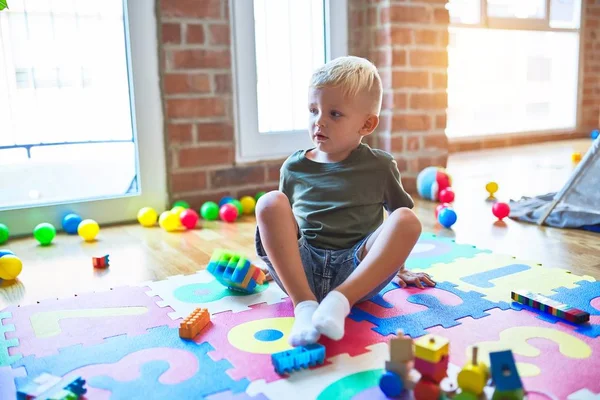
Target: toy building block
x: 505, y: 376
x: 298, y: 358
x: 194, y: 323
x: 100, y: 262
x: 427, y: 390
x: 549, y: 306
x: 431, y: 348
x: 401, y: 349
x: 235, y: 271
x: 46, y: 386
x: 433, y: 372
x: 474, y: 375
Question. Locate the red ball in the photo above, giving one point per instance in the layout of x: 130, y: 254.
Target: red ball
x: 228, y: 212
x: 447, y: 195
x: 501, y: 210
x: 440, y: 207
x: 189, y: 218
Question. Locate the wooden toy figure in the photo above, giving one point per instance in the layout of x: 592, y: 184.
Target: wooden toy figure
x: 505, y: 376
x: 474, y: 376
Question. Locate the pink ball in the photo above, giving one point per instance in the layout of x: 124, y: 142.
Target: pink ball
x: 189, y: 218
x: 501, y: 210
x: 440, y: 207
x: 228, y: 212
x: 447, y: 195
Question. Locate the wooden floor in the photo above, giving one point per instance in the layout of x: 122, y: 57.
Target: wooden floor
x: 139, y: 254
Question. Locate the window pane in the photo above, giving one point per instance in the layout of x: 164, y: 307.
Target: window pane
x: 565, y: 14
x: 534, y: 9
x: 502, y: 81
x: 290, y: 43
x: 465, y: 11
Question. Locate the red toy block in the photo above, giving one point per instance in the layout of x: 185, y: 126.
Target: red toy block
x: 194, y: 323
x: 100, y: 262
x: 434, y: 372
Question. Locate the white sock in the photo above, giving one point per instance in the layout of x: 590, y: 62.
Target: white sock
x: 330, y: 316
x: 303, y: 332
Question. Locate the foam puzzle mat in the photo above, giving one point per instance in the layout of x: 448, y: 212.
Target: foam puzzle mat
x: 125, y: 342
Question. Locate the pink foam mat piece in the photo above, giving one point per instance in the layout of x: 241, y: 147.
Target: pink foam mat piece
x: 87, y: 330
x: 560, y: 375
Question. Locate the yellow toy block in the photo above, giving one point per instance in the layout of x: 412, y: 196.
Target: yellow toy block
x: 431, y: 348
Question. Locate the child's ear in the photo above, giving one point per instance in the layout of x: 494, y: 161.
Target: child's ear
x: 369, y: 125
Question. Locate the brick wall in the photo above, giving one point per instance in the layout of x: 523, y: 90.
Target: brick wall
x: 407, y: 41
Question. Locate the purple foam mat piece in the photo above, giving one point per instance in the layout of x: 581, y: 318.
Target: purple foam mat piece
x: 85, y: 319
x: 239, y: 396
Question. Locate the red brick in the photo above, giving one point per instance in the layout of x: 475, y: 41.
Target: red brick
x: 401, y: 35
x: 180, y: 133
x: 441, y: 16
x: 273, y: 172
x: 391, y: 144
x: 413, y: 143
x: 441, y: 121
x: 188, y: 181
x: 219, y: 131
x: 409, y: 122
x: 384, y: 15
x: 237, y: 176
x: 219, y: 34
x: 435, y: 142
x: 400, y: 100
x: 426, y: 36
x: 439, y: 80
x: 383, y: 37
x: 191, y: 8
x: 402, y: 165
x: 195, y: 34
x: 428, y: 101
x: 187, y: 83
x: 444, y: 38
x: 201, y: 156
x: 411, y: 79
x: 201, y: 58
x: 190, y: 108
x: 223, y: 83
x: 383, y: 58
x: 387, y: 101
x: 399, y: 57
x: 357, y: 18
x: 428, y: 58
x: 171, y: 33
x: 401, y: 13
x: 197, y: 200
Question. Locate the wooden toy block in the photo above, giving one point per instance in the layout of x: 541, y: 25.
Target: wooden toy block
x: 100, y: 262
x: 549, y: 306
x: 401, y: 369
x: 433, y: 372
x: 504, y: 373
x: 235, y: 271
x: 401, y: 348
x: 474, y: 375
x: 298, y: 358
x: 431, y: 348
x: 426, y: 390
x: 194, y: 323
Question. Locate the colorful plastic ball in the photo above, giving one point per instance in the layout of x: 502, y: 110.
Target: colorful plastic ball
x: 576, y: 156
x: 44, y: 233
x: 4, y: 233
x: 248, y: 204
x: 447, y: 217
x: 447, y: 195
x: 238, y: 205
x: 181, y: 203
x: 6, y: 252
x: 259, y: 195
x: 147, y: 216
x: 88, y: 229
x: 70, y: 223
x: 225, y: 200
x: 10, y: 266
x: 431, y: 181
x: 228, y: 212
x: 189, y: 218
x: 391, y: 384
x: 178, y: 210
x: 501, y: 210
x: 209, y: 211
x: 169, y: 221
x: 491, y: 188
x: 440, y: 207
x: 595, y: 133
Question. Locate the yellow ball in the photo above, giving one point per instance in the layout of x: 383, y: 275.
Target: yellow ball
x: 576, y: 157
x: 248, y: 204
x: 147, y: 216
x: 491, y: 187
x: 169, y: 221
x: 178, y: 210
x: 10, y: 267
x: 88, y: 229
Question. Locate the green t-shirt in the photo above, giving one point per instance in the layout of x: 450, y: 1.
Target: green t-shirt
x: 338, y: 204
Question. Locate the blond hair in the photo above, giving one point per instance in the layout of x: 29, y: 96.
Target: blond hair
x: 355, y: 75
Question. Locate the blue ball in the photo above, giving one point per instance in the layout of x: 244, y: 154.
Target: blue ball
x: 595, y: 134
x: 391, y: 384
x: 447, y: 217
x: 70, y: 223
x: 225, y: 200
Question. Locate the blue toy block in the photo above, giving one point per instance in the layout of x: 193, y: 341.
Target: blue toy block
x: 298, y: 358
x: 504, y: 371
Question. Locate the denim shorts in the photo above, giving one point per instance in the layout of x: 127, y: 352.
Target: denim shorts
x: 325, y: 269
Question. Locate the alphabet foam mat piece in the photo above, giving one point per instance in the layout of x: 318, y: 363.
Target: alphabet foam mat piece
x: 7, y: 344
x: 432, y: 249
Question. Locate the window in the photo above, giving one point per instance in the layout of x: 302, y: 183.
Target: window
x: 278, y: 43
x: 72, y: 135
x: 513, y: 66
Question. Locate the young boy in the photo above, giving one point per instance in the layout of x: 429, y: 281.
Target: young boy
x: 322, y: 234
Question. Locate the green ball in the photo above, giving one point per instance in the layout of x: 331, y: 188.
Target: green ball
x: 238, y: 205
x: 181, y: 203
x: 259, y: 195
x: 4, y: 233
x: 210, y: 211
x: 44, y: 233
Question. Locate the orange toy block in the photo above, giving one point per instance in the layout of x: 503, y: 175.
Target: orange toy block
x: 194, y: 323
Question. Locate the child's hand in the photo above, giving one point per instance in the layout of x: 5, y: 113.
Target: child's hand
x: 405, y: 278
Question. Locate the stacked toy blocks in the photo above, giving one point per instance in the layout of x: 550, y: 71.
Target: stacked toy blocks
x: 550, y: 306
x: 51, y: 387
x: 194, y: 323
x: 298, y: 358
x: 235, y: 271
x: 396, y: 377
x: 431, y: 360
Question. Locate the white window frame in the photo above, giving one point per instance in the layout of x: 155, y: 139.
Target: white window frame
x: 531, y: 25
x: 251, y: 145
x: 143, y: 60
